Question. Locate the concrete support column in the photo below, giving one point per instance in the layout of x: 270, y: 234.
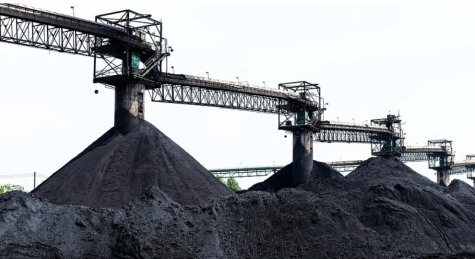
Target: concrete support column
x: 302, y: 156
x: 443, y: 177
x: 129, y: 106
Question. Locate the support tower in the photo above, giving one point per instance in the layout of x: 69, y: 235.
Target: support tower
x: 128, y: 65
x: 470, y: 174
x: 441, y: 161
x: 301, y: 118
x: 388, y: 145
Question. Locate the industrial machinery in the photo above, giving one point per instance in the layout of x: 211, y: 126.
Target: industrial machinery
x: 438, y: 153
x: 129, y: 52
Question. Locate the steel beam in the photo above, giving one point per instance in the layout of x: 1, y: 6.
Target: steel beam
x: 194, y: 95
x: 49, y: 37
x: 350, y: 135
x: 22, y: 14
x: 341, y: 166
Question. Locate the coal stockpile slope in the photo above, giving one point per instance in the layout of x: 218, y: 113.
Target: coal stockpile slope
x: 381, y: 210
x: 290, y: 224
x: 283, y: 178
x: 407, y: 210
x: 118, y: 168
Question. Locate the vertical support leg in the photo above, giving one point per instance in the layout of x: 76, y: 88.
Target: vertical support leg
x: 443, y: 177
x: 129, y: 107
x: 302, y: 156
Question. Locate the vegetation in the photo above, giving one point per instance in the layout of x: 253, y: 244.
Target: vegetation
x: 10, y: 187
x: 231, y: 183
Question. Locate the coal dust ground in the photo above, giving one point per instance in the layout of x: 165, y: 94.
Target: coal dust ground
x: 383, y: 209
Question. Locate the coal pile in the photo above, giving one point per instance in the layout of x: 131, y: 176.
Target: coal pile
x: 117, y: 168
x: 381, y: 210
x: 283, y: 178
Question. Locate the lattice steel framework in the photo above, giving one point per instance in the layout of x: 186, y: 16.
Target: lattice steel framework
x: 443, y: 159
x: 468, y: 167
x: 416, y: 154
x: 118, y: 59
x: 461, y: 170
x: 394, y: 146
x: 350, y: 135
x: 342, y: 166
x: 245, y: 172
x: 301, y: 115
x: 414, y: 157
x: 11, y: 176
x: 114, y: 40
x: 183, y: 94
x: 20, y: 30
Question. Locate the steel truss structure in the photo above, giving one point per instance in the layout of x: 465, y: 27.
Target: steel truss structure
x: 183, y: 89
x: 462, y: 170
x: 302, y: 115
x: 195, y: 95
x: 118, y: 59
x: 443, y: 159
x: 414, y: 157
x: 129, y: 47
x: 392, y: 146
x: 416, y: 154
x: 245, y: 172
x: 467, y: 166
x: 11, y: 176
x: 341, y: 166
x: 110, y: 40
x: 350, y: 135
x: 16, y: 28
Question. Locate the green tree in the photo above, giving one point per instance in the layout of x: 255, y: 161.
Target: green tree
x: 10, y: 187
x: 233, y: 184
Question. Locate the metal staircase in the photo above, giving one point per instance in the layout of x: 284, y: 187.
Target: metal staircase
x: 152, y: 62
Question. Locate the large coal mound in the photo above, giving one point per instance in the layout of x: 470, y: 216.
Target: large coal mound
x: 383, y: 209
x: 283, y: 178
x: 118, y: 168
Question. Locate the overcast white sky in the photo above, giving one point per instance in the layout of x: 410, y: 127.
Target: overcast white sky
x: 368, y: 58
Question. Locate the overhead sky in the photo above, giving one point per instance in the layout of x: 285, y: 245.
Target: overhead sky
x: 369, y: 58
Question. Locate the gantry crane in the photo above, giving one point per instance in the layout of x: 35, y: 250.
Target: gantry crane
x: 129, y: 49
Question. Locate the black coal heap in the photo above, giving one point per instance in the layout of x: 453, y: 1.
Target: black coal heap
x: 381, y: 210
x: 118, y: 168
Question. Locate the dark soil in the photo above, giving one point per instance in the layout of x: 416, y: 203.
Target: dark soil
x: 381, y: 210
x: 118, y: 168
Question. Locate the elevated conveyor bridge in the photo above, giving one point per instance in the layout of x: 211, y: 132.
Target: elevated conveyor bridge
x: 438, y: 153
x: 341, y: 166
x: 129, y: 51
